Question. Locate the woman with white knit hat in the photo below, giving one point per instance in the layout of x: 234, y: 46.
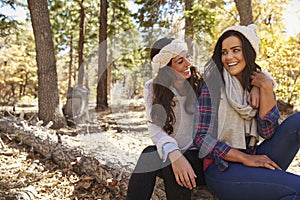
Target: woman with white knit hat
x: 170, y: 100
x: 228, y: 128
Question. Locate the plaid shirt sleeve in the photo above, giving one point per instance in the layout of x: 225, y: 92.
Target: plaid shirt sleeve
x: 266, y: 127
x: 208, y: 145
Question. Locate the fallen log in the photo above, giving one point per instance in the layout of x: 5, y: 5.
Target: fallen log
x: 45, y: 142
x: 113, y: 177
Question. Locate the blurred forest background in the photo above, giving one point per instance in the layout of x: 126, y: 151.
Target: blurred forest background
x: 85, y: 62
x: 103, y: 46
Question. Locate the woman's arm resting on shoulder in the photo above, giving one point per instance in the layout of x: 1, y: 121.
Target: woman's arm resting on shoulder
x: 268, y: 114
x: 265, y: 84
x: 253, y: 97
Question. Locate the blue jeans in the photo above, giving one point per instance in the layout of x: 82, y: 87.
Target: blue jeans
x: 241, y: 182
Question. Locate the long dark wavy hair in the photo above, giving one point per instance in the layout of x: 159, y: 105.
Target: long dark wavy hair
x: 163, y: 98
x: 248, y: 53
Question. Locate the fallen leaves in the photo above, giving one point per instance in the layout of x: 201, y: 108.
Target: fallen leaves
x: 25, y: 175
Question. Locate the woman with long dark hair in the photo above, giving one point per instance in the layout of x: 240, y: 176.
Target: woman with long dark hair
x: 237, y: 163
x: 170, y: 100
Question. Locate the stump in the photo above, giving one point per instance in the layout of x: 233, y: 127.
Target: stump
x: 76, y: 107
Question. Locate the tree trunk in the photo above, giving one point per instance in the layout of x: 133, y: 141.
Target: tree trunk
x: 189, y: 26
x: 102, y: 60
x: 244, y: 8
x: 48, y: 99
x: 81, y: 46
x: 70, y: 63
x: 110, y: 63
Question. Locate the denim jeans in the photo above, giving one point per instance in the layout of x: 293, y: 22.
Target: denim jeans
x: 149, y: 166
x: 241, y: 182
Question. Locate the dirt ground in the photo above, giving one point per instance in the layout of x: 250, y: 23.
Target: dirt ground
x: 24, y: 174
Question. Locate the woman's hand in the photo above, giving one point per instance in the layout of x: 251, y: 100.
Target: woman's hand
x: 235, y: 155
x: 183, y: 171
x: 261, y: 80
x: 253, y: 97
x: 260, y: 161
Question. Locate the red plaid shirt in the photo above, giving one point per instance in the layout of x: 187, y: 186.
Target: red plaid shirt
x: 205, y: 140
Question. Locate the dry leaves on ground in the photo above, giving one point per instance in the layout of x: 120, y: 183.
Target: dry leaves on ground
x: 24, y: 174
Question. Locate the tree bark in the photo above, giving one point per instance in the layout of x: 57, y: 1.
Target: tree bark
x: 81, y: 46
x: 102, y: 102
x: 244, y: 8
x: 71, y: 63
x: 189, y: 26
x: 48, y: 98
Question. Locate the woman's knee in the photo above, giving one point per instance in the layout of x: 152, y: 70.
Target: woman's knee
x: 149, y: 149
x: 148, y: 161
x: 291, y: 125
x: 292, y: 121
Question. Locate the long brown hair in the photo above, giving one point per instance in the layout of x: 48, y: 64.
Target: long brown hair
x: 163, y: 98
x: 248, y: 53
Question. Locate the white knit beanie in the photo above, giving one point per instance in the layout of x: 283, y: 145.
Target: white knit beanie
x: 168, y: 52
x: 249, y: 32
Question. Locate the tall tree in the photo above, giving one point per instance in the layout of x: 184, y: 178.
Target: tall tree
x: 48, y: 98
x: 70, y: 63
x: 188, y: 25
x: 102, y: 102
x: 81, y: 44
x: 244, y: 8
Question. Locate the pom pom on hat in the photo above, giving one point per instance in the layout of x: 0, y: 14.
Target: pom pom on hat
x: 249, y: 32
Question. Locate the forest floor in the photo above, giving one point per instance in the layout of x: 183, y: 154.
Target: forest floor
x: 123, y: 128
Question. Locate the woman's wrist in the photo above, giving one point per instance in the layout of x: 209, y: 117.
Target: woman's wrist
x: 174, y: 155
x: 242, y: 157
x: 267, y: 85
x: 235, y: 155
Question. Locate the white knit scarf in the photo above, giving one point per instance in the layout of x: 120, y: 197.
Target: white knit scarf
x: 235, y: 116
x: 167, y: 53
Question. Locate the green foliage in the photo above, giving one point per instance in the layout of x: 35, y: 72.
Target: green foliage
x: 279, y: 54
x: 18, y: 67
x: 131, y: 34
x: 281, y: 57
x: 62, y: 14
x: 203, y: 28
x: 269, y: 12
x: 154, y: 12
x: 8, y: 25
x: 204, y: 20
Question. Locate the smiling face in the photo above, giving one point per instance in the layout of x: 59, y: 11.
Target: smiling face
x: 181, y: 64
x: 232, y: 56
